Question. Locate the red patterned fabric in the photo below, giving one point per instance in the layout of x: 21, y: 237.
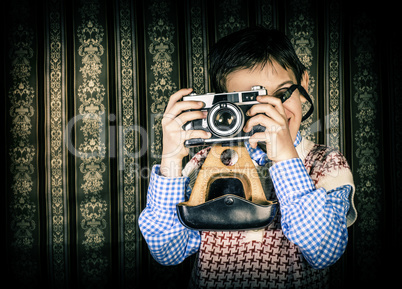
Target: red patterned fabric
x: 323, y: 161
x: 233, y: 260
x: 228, y: 260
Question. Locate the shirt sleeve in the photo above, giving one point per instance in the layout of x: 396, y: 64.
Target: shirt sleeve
x: 168, y: 240
x: 313, y: 219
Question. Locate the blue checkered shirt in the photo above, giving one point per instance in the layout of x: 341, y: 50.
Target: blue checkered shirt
x: 313, y: 219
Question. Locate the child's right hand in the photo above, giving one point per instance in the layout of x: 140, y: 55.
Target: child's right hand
x: 174, y: 118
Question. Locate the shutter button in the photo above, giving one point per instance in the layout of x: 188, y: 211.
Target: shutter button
x: 229, y: 201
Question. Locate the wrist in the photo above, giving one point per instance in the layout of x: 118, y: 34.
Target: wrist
x: 171, y: 167
x: 287, y: 155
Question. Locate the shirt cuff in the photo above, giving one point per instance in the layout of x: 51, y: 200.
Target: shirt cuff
x: 291, y: 180
x: 167, y: 192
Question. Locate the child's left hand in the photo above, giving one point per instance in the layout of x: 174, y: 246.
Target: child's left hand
x: 271, y: 114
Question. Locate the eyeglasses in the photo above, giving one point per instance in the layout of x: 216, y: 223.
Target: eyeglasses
x: 284, y: 95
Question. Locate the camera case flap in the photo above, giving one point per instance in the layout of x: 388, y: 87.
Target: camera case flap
x: 226, y: 213
x: 227, y: 195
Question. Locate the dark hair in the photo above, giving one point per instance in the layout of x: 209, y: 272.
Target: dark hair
x: 247, y: 48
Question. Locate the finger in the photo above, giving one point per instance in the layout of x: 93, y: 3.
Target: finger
x: 189, y: 116
x: 268, y: 110
x: 197, y: 134
x: 276, y: 102
x: 260, y: 119
x: 177, y: 96
x: 181, y: 106
x: 259, y: 137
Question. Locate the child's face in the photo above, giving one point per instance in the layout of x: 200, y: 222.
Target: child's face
x: 274, y: 78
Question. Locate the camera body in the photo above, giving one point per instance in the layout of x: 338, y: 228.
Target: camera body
x: 226, y: 116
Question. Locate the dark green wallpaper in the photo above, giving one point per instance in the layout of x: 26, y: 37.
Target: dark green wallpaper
x: 86, y: 83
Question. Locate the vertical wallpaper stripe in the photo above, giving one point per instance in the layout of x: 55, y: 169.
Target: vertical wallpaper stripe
x: 56, y: 156
x: 301, y: 28
x: 333, y: 114
x: 367, y: 149
x: 130, y: 142
x: 197, y: 49
x: 162, y: 67
x: 266, y: 13
x: 230, y: 16
x: 91, y: 143
x: 22, y: 138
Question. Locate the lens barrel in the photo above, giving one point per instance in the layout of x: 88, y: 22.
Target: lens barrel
x: 225, y: 119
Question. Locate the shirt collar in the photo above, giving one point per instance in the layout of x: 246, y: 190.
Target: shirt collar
x: 298, y: 139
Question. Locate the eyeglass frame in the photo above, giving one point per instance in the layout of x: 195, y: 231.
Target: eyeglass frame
x: 288, y: 93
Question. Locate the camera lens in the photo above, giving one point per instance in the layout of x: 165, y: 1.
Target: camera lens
x: 225, y: 119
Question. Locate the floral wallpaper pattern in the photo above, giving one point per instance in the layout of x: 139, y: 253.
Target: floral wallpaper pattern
x: 86, y: 85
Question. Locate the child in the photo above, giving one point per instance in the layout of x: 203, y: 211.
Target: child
x: 313, y: 183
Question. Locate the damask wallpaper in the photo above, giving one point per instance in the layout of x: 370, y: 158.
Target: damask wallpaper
x: 86, y: 83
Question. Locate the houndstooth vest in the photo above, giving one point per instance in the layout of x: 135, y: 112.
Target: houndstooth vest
x: 266, y: 258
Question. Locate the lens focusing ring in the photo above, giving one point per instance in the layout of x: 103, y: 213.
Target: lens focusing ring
x: 225, y: 107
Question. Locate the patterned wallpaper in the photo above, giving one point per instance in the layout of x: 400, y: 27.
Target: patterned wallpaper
x: 23, y: 175
x: 86, y: 84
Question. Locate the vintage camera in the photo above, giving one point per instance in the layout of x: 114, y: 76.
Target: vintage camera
x: 226, y: 116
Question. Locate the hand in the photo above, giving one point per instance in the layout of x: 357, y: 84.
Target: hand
x: 175, y: 116
x: 271, y: 114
